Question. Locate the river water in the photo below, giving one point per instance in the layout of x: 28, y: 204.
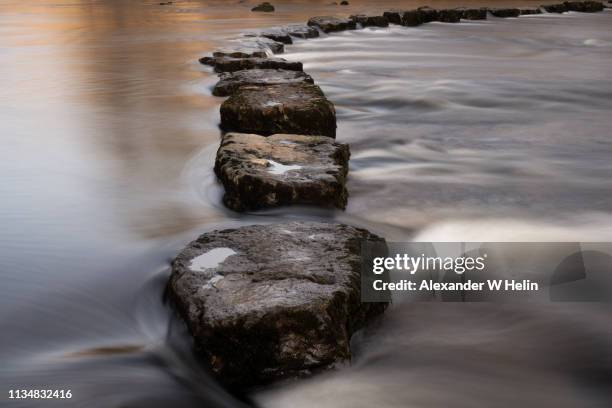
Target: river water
x: 494, y: 130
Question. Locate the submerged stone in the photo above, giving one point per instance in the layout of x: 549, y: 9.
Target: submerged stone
x: 505, y: 12
x: 297, y: 108
x: 331, y: 24
x: 262, y: 172
x: 370, y: 21
x: 280, y: 301
x: 265, y: 7
x: 230, y: 82
x: 227, y: 64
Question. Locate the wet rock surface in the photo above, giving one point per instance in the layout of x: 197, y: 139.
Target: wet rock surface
x: 473, y: 13
x: 505, y: 12
x: 394, y: 16
x: 264, y: 7
x: 297, y: 108
x: 370, y: 21
x: 449, y: 15
x: 228, y: 64
x: 411, y: 18
x: 555, y: 8
x: 302, y: 31
x: 261, y: 172
x: 331, y: 24
x: 240, y: 53
x: 584, y: 6
x: 427, y: 14
x: 277, y: 35
x: 230, y: 82
x: 263, y: 304
x: 530, y: 11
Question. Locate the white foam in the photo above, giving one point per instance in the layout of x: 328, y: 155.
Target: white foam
x: 272, y: 103
x: 279, y: 168
x: 210, y: 259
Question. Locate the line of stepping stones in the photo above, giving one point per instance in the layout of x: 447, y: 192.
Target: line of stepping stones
x: 266, y: 302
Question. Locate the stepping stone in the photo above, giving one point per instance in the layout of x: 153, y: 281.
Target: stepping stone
x: 394, y: 16
x: 270, y: 302
x: 473, y: 13
x: 412, y: 18
x: 331, y: 24
x: 240, y: 53
x: 530, y: 11
x: 228, y: 64
x: 252, y: 47
x: 449, y: 16
x: 296, y: 108
x: 230, y: 82
x: 261, y: 172
x: 555, y: 8
x: 505, y: 12
x: 279, y: 36
x: 301, y: 31
x: 584, y: 6
x: 428, y: 14
x: 370, y: 21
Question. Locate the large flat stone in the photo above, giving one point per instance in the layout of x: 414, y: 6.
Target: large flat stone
x: 332, y: 24
x: 261, y: 172
x: 268, y: 302
x: 298, y: 108
x: 228, y: 64
x: 231, y: 81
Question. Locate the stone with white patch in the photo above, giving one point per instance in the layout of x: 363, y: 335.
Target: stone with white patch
x: 262, y: 172
x: 284, y: 305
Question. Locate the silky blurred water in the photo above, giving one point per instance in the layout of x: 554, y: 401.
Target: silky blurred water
x: 493, y: 130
